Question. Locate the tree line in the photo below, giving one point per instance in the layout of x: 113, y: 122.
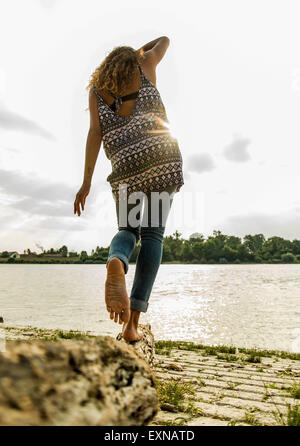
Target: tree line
x: 216, y: 248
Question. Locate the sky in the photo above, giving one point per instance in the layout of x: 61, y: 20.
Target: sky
x: 230, y: 82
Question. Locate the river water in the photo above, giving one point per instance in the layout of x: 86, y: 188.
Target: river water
x: 241, y: 305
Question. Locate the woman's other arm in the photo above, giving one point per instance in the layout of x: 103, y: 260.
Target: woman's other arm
x: 155, y: 50
x: 93, y: 143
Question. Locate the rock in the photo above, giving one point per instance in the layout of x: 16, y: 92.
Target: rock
x: 173, y: 366
x: 145, y: 348
x: 95, y: 381
x: 168, y: 407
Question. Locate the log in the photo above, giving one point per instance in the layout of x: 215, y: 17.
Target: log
x: 97, y: 381
x: 145, y: 348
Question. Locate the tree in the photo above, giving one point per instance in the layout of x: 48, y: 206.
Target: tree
x: 211, y: 249
x: 83, y: 256
x: 296, y: 247
x: 222, y: 260
x: 198, y: 250
x: 196, y: 237
x: 254, y: 242
x: 64, y: 251
x: 233, y: 242
x: 275, y: 246
x: 229, y: 254
x: 187, y: 254
x: 288, y: 257
x: 174, y: 243
x: 167, y: 254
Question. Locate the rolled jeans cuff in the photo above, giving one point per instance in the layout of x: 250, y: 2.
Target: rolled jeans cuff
x: 121, y: 257
x: 138, y: 305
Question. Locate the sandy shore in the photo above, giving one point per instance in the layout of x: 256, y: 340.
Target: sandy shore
x: 214, y: 386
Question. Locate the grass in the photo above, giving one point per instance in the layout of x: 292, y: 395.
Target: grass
x: 227, y: 357
x: 253, y: 358
x: 250, y: 419
x: 266, y: 396
x: 292, y: 415
x: 49, y: 335
x: 294, y: 390
x: 274, y: 386
x: 232, y: 386
x: 179, y: 421
x: 174, y: 391
x: 291, y: 418
x: 214, y: 350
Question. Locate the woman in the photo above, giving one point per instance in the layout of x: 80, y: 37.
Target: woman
x: 127, y: 113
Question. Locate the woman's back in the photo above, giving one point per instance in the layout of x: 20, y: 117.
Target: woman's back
x: 144, y: 155
x: 127, y: 106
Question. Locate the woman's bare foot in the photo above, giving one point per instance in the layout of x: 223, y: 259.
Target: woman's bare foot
x: 116, y: 298
x: 130, y: 330
x: 131, y: 334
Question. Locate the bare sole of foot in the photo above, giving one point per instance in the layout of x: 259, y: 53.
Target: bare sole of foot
x: 116, y: 297
x: 131, y: 334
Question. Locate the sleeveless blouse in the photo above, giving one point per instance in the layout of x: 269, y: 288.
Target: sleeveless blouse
x: 144, y: 155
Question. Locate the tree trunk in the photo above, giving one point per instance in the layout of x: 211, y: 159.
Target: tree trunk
x: 145, y: 348
x: 97, y: 381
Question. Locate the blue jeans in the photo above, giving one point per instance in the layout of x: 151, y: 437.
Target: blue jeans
x: 146, y: 221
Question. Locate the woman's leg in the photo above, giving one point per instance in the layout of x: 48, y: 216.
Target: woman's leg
x: 122, y: 246
x: 120, y: 251
x: 149, y: 259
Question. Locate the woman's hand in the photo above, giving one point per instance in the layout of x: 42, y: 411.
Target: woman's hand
x: 80, y: 197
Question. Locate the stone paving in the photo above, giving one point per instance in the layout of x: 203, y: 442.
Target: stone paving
x: 226, y: 391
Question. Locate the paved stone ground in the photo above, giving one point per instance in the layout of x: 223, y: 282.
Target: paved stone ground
x: 228, y: 393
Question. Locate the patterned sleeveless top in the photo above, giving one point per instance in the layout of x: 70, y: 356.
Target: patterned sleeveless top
x: 144, y: 155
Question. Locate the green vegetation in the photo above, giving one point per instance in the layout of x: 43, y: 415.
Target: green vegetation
x: 294, y: 390
x: 48, y: 335
x: 250, y: 419
x: 178, y: 393
x: 253, y: 358
x: 227, y: 357
x: 223, y: 249
x: 178, y: 421
x: 293, y: 416
x: 174, y: 391
x: 290, y: 418
x: 214, y: 350
x: 216, y: 248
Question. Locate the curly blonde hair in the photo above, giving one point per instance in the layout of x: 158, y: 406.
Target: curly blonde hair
x: 117, y: 70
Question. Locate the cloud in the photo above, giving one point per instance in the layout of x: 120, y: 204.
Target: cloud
x: 17, y: 184
x: 58, y: 224
x: 12, y: 121
x: 200, y: 163
x: 237, y: 150
x: 36, y: 196
x: 33, y: 206
x: 36, y: 203
x: 285, y: 225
